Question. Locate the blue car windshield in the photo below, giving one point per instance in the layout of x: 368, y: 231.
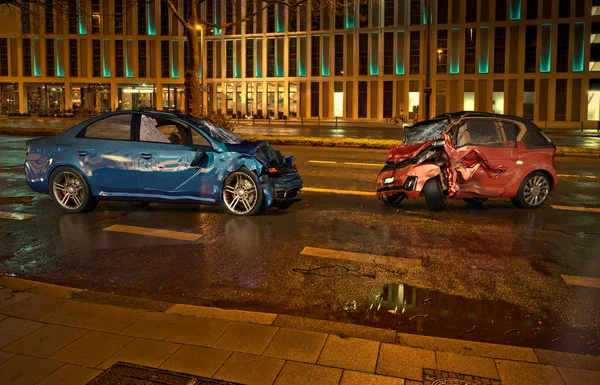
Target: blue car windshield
x: 215, y: 132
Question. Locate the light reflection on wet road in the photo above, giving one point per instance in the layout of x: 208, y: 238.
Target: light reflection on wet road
x: 479, y: 264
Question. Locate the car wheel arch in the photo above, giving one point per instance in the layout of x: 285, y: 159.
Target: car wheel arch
x: 69, y: 165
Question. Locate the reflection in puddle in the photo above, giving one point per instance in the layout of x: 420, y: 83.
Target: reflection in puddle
x: 408, y: 309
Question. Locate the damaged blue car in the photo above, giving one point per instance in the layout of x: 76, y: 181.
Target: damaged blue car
x: 159, y: 157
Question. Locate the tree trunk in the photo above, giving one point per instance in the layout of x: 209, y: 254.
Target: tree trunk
x: 193, y: 95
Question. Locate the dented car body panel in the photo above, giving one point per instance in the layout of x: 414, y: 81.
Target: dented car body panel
x: 132, y: 169
x: 475, y: 155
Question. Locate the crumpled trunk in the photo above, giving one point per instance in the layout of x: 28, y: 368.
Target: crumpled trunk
x: 193, y: 95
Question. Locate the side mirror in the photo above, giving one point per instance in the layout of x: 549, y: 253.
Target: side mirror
x: 198, y: 158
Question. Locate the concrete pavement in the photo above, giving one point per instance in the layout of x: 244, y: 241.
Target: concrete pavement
x: 55, y: 335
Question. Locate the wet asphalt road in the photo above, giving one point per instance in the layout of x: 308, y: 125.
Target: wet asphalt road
x: 490, y: 273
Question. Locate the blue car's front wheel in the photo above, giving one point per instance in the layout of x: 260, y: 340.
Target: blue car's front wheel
x: 241, y: 194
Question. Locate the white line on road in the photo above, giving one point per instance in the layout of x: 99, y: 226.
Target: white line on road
x: 15, y: 216
x: 153, y: 232
x: 402, y: 263
x: 581, y: 281
x: 334, y: 191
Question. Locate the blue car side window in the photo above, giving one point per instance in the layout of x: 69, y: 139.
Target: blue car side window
x: 117, y: 127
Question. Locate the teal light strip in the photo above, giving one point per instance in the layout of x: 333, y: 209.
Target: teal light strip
x: 325, y: 71
x: 128, y: 70
x: 174, y: 66
x: 399, y: 55
x: 484, y: 56
x: 425, y: 12
x: 216, y: 17
x: 515, y: 9
x: 546, y: 48
x: 301, y: 61
x: 350, y: 15
x: 36, y: 66
x: 81, y: 19
x: 279, y: 25
x: 579, y: 51
x: 455, y: 53
x: 374, y: 63
x: 151, y: 26
x: 60, y: 70
x: 105, y: 68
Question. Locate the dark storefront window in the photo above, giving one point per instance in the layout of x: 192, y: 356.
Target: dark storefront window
x: 530, y: 48
x: 499, y: 50
x: 142, y: 64
x: 562, y: 48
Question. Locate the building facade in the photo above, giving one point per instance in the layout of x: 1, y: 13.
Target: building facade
x: 368, y: 60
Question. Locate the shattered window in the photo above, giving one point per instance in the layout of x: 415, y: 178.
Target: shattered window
x: 422, y: 132
x: 149, y: 132
x: 479, y: 132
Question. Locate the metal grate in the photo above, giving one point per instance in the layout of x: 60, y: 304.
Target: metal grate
x: 442, y: 377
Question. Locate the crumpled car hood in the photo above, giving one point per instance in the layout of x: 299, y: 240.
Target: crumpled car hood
x: 402, y: 152
x: 261, y: 150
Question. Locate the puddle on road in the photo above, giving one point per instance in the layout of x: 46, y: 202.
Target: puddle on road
x: 412, y: 310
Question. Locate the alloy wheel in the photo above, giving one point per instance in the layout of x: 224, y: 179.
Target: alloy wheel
x: 240, y: 193
x: 536, y: 190
x: 69, y: 190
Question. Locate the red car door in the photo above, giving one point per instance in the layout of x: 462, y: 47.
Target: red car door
x: 488, y: 151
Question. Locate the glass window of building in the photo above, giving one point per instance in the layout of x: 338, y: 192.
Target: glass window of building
x: 26, y: 45
x: 209, y: 59
x: 96, y: 16
x: 49, y: 19
x: 293, y: 57
x: 532, y: 10
x: 579, y: 8
x: 229, y: 58
x: 315, y: 62
x: 229, y: 98
x: 72, y: 17
x: 484, y: 14
x: 388, y: 99
x: 340, y: 15
x: 228, y: 17
x: 271, y: 57
x: 415, y: 12
x: 339, y: 55
x: 250, y: 99
x: 50, y: 69
x: 315, y: 15
x: 547, y: 9
x: 25, y: 17
x: 564, y: 8
x: 414, y: 99
x: 259, y: 100
x: 73, y: 58
x: 90, y: 98
x: 164, y: 59
x: 250, y: 22
x: 595, y: 47
x: 562, y: 48
x: 593, y: 97
x: 388, y: 53
x: 442, y: 51
x: 440, y: 97
x: 499, y: 49
x: 314, y: 99
x: 529, y: 99
x: 501, y: 7
x: 442, y: 12
x: 9, y: 98
x: 119, y: 59
x: 363, y: 14
x: 363, y: 54
x: 470, y: 50
x: 388, y: 10
x: 560, y: 102
x: 498, y: 97
x: 3, y: 57
x: 136, y: 96
x: 250, y: 58
x: 142, y: 64
x: 469, y: 96
x: 362, y: 99
x: 164, y: 19
x: 293, y: 100
x: 415, y: 52
x: 471, y: 11
x: 141, y: 18
x: 530, y: 48
x: 119, y: 17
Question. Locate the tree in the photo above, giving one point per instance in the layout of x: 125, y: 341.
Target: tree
x: 193, y: 26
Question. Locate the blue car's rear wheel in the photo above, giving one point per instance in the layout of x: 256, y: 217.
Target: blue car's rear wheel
x: 70, y: 191
x: 241, y: 194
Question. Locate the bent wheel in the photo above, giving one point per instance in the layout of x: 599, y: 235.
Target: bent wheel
x: 70, y: 191
x: 434, y: 195
x: 533, y: 192
x: 241, y: 194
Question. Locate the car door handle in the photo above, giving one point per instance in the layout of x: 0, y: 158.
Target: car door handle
x: 82, y: 153
x: 145, y: 156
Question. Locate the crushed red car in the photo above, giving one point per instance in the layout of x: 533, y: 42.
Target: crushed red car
x: 471, y: 156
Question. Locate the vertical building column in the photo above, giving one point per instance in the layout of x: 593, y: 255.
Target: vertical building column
x: 114, y: 95
x: 22, y: 97
x: 159, y: 101
x: 68, y: 96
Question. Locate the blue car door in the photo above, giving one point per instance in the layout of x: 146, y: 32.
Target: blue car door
x: 106, y: 154
x: 166, y: 155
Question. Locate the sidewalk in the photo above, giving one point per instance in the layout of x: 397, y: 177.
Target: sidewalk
x: 55, y: 335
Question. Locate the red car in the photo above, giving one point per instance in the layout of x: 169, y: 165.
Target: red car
x: 471, y: 156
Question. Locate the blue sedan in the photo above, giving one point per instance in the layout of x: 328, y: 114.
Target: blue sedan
x: 154, y: 156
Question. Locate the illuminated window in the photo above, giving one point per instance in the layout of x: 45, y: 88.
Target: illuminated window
x: 414, y: 99
x: 595, y: 47
x: 498, y: 97
x: 529, y: 99
x: 96, y: 16
x: 442, y: 51
x: 469, y: 96
x: 593, y: 107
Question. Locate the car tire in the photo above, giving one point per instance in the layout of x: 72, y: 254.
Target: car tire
x: 252, y: 194
x: 392, y: 200
x: 434, y: 195
x: 475, y: 201
x: 68, y: 181
x: 533, y: 192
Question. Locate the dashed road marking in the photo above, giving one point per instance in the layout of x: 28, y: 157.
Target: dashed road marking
x: 402, y: 263
x: 153, y: 232
x: 581, y: 281
x: 322, y: 161
x: 578, y: 176
x: 334, y: 191
x: 15, y: 216
x: 364, y: 164
x: 576, y: 208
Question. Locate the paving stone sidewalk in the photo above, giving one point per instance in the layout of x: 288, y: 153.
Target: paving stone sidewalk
x: 46, y: 337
